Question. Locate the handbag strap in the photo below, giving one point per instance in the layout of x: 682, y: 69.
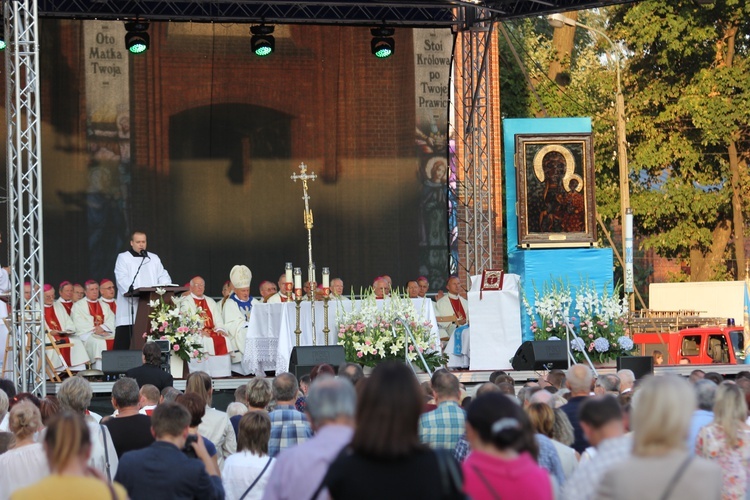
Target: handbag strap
x: 486, y: 483
x: 450, y: 476
x: 106, y: 450
x: 676, y: 477
x: 257, y: 478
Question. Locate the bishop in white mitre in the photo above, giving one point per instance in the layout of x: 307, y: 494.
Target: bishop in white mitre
x: 236, y: 310
x: 94, y: 324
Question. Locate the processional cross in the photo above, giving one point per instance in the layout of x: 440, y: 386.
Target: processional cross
x: 308, y: 220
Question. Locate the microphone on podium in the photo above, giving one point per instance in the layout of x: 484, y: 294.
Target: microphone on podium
x: 144, y: 253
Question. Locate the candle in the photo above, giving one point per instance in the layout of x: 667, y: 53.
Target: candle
x: 326, y: 277
x: 289, y: 277
x: 298, y: 280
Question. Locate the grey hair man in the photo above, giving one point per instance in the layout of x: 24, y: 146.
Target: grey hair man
x: 607, y: 384
x: 288, y: 426
x: 705, y: 391
x: 130, y: 430
x: 627, y: 380
x: 331, y: 404
x: 578, y: 379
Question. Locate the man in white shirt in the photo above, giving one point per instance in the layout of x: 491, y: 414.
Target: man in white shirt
x: 95, y: 325
x: 134, y: 268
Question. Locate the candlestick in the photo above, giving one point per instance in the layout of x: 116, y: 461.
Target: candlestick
x: 326, y: 330
x: 288, y: 274
x: 326, y: 277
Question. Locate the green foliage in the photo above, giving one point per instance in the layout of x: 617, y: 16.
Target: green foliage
x: 684, y: 106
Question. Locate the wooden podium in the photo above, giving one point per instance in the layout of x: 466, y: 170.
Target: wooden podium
x: 142, y: 322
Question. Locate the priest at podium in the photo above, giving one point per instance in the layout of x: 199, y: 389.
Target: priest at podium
x: 216, y: 343
x: 135, y: 268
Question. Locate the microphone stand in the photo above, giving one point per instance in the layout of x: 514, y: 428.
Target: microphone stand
x: 130, y: 290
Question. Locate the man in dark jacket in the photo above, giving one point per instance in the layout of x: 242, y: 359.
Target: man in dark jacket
x: 150, y: 372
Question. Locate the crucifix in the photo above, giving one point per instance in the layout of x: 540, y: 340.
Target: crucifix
x: 308, y: 219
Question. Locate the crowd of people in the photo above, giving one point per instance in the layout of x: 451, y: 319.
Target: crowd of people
x: 571, y: 436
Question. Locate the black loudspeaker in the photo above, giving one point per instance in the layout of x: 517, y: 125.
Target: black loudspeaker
x: 541, y: 355
x: 118, y: 362
x: 303, y: 359
x: 641, y: 365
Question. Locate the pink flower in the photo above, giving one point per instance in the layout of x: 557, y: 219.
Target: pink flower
x: 163, y: 337
x: 411, y: 348
x: 591, y: 335
x: 341, y: 335
x: 196, y: 353
x: 359, y: 354
x: 145, y: 335
x: 367, y: 342
x: 176, y: 347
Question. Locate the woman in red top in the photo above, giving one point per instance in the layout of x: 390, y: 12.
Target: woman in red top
x: 502, y: 463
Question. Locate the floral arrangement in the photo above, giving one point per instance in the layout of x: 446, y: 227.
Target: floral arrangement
x: 374, y: 333
x: 182, y: 330
x: 600, y: 321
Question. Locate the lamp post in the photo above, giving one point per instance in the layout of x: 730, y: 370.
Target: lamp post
x: 558, y: 21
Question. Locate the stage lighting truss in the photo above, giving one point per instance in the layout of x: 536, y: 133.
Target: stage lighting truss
x: 262, y: 42
x: 137, y: 40
x: 382, y: 44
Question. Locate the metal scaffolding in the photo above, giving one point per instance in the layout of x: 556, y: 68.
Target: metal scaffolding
x: 25, y: 194
x: 473, y: 190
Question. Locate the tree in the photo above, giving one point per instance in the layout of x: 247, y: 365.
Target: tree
x: 688, y: 97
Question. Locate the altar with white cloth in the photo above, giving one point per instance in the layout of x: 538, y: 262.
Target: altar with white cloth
x: 495, y: 317
x: 271, y: 337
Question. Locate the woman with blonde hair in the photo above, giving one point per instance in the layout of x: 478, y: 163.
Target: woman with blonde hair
x: 660, y: 466
x: 67, y: 445
x: 24, y: 463
x: 726, y: 440
x: 542, y: 418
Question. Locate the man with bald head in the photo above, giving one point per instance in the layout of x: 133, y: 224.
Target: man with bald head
x: 578, y: 380
x: 381, y: 288
x: 215, y: 336
x: 279, y: 296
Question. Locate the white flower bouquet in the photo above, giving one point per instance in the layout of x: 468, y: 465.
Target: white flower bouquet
x: 600, y: 320
x: 182, y: 330
x: 373, y: 334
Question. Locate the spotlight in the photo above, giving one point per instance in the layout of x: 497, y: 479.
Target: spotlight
x: 136, y: 38
x: 382, y: 44
x: 2, y: 42
x: 262, y: 41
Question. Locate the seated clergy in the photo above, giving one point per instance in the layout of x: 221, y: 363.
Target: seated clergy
x: 107, y: 289
x: 381, y: 288
x: 66, y: 296
x: 279, y: 296
x: 267, y: 290
x: 61, y: 327
x: 452, y: 314
x: 95, y: 325
x: 215, y: 338
x: 236, y: 312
